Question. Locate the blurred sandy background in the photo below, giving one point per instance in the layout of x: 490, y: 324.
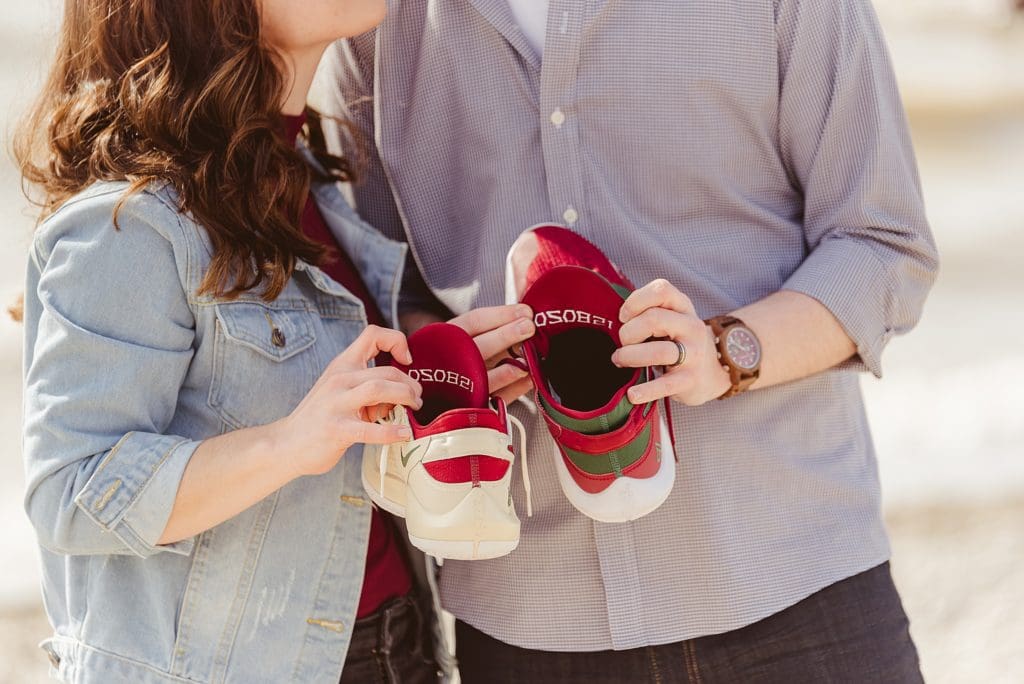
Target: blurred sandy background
x: 948, y: 419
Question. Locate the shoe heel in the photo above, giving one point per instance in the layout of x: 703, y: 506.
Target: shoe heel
x: 477, y: 528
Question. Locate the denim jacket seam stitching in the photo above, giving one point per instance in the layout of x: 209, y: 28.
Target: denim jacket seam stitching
x: 187, y: 285
x: 130, y: 538
x: 193, y: 579
x: 319, y: 589
x: 222, y: 658
x: 119, y: 518
x: 82, y: 645
x: 213, y: 395
x: 216, y: 372
x: 77, y: 199
x: 153, y: 471
x: 279, y: 304
x: 113, y: 451
x: 307, y: 334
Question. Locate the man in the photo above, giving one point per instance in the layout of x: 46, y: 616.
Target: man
x: 745, y: 158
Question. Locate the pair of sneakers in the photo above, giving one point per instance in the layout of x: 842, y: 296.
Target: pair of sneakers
x: 452, y: 480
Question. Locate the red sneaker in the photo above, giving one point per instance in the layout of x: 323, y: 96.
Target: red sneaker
x: 452, y: 480
x: 617, y: 460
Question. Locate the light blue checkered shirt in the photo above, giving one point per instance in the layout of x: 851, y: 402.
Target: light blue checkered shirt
x: 735, y: 148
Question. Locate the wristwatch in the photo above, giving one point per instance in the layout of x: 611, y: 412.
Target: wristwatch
x: 738, y: 350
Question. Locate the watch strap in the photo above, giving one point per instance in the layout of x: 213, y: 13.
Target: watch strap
x: 740, y: 378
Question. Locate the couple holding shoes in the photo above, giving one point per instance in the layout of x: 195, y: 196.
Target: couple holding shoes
x: 213, y: 333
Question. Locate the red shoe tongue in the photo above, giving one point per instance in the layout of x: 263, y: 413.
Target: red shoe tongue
x: 576, y: 312
x: 446, y: 361
x: 571, y: 297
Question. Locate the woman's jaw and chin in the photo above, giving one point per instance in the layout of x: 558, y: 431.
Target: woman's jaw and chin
x: 301, y: 30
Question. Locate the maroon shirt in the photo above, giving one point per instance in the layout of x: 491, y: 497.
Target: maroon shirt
x: 386, y: 575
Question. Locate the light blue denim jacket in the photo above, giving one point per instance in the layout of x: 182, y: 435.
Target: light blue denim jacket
x: 127, y: 369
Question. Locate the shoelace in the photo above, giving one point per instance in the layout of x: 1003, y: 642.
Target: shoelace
x: 522, y: 459
x: 443, y: 649
x: 385, y: 452
x: 671, y: 428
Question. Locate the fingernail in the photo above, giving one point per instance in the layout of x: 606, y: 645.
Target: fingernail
x: 524, y: 311
x: 524, y: 327
x: 615, y: 360
x: 404, y: 432
x: 635, y: 396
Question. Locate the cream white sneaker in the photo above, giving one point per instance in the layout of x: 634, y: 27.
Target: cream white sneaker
x: 452, y: 480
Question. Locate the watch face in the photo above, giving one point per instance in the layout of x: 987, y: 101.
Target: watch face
x: 743, y: 348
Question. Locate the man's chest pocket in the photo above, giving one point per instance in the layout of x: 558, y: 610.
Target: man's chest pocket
x: 265, y: 360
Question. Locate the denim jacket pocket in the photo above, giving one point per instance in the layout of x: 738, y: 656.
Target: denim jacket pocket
x: 264, y: 362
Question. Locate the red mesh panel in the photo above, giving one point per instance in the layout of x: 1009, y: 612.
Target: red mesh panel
x: 456, y: 470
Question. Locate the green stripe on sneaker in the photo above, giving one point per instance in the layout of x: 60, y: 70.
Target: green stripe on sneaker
x: 612, y: 420
x: 606, y: 422
x: 613, y: 462
x: 623, y: 291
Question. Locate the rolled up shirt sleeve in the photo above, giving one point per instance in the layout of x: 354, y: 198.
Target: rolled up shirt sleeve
x: 844, y: 138
x: 108, y: 343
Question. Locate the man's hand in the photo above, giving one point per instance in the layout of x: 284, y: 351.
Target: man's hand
x: 496, y: 329
x: 659, y: 310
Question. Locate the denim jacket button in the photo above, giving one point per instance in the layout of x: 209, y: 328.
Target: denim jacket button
x: 277, y: 338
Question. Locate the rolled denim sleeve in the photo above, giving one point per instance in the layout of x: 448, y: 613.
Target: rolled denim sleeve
x: 844, y: 138
x: 108, y: 343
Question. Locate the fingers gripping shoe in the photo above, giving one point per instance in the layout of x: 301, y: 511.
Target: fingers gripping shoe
x: 616, y: 460
x: 452, y: 480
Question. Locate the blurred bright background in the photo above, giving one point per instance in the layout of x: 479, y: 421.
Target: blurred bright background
x: 948, y: 418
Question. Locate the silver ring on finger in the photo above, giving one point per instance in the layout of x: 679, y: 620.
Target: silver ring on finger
x: 681, y: 358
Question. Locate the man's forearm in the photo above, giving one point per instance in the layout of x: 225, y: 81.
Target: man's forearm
x: 799, y: 337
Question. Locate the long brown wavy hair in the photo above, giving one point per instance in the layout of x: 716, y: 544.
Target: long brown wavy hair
x: 182, y: 91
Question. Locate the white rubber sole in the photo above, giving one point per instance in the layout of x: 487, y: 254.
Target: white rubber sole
x: 475, y: 524
x: 443, y: 548
x: 463, y: 550
x: 627, y: 498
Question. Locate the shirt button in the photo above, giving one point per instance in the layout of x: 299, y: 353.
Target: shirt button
x: 571, y: 216
x: 557, y: 118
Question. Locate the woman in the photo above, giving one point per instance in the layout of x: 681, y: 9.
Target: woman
x: 194, y: 383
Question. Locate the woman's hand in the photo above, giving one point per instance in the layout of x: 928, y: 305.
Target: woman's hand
x: 659, y: 310
x: 341, y: 408
x: 496, y: 329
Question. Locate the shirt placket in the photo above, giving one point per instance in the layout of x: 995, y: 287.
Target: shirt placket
x: 560, y: 140
x: 560, y: 131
